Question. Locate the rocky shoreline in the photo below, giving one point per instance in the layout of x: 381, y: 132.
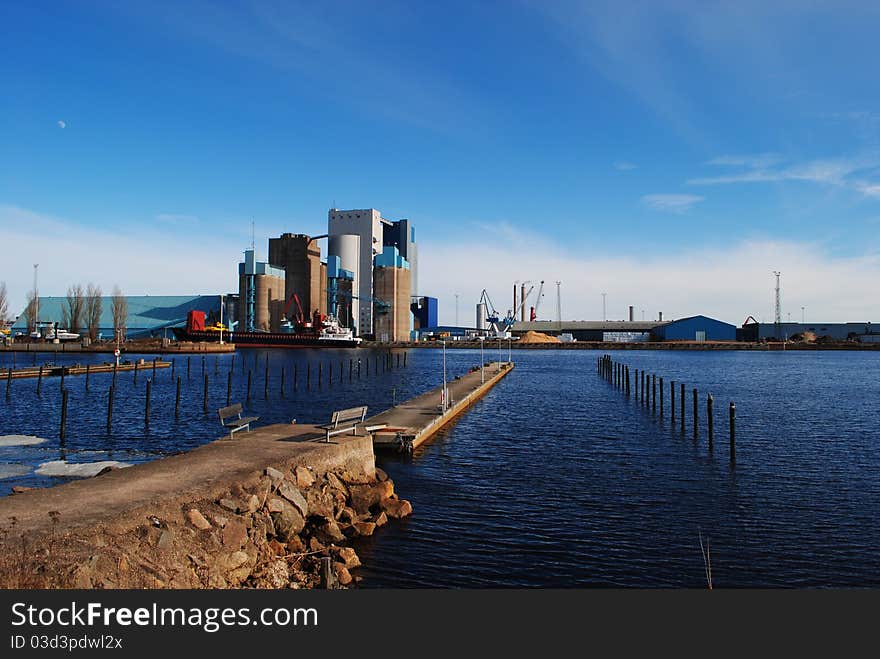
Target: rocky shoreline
x: 269, y: 533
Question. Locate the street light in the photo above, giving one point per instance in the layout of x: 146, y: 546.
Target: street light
x: 803, y: 315
x: 509, y: 341
x: 604, y: 317
x: 445, y: 393
x: 499, y: 352
x: 482, y: 361
x: 221, y: 319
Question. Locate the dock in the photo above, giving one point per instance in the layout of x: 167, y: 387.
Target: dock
x: 407, y: 426
x: 77, y: 369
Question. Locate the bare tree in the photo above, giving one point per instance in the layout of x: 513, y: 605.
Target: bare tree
x: 119, y: 307
x: 94, y: 307
x: 29, y: 315
x: 4, y: 304
x: 73, y: 314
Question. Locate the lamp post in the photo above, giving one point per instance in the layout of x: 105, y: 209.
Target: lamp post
x: 499, y: 352
x: 604, y: 316
x: 509, y: 341
x: 445, y: 401
x: 803, y: 315
x: 482, y: 361
x: 221, y: 319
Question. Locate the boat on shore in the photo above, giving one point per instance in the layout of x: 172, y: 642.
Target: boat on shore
x: 321, y: 332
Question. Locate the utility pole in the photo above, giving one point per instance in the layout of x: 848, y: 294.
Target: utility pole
x: 221, y: 319
x: 36, y: 307
x: 778, y: 311
x: 604, y: 317
x: 803, y: 315
x: 456, y: 309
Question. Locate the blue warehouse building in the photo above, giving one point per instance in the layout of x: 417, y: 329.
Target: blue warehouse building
x: 695, y: 328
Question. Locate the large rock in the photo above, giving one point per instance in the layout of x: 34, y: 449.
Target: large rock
x: 234, y: 535
x: 384, y: 490
x: 288, y: 522
x: 292, y: 494
x: 381, y: 476
x: 363, y: 497
x: 349, y: 557
x: 230, y: 504
x: 274, y: 474
x: 329, y: 533
x: 334, y: 482
x: 364, y: 528
x: 343, y: 576
x: 381, y: 519
x: 304, y: 477
x: 397, y: 508
x: 319, y: 502
x: 198, y: 520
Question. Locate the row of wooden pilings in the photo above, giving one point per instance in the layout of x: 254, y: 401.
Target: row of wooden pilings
x: 381, y: 363
x: 646, y: 391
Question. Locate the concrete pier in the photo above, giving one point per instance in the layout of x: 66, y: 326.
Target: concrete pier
x: 408, y: 425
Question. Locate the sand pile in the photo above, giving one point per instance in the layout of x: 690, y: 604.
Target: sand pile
x: 538, y: 337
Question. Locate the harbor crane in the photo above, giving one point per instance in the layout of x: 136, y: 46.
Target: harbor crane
x: 533, y: 315
x: 500, y: 327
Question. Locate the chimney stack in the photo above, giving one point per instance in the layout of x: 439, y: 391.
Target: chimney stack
x: 631, y: 313
x: 661, y: 316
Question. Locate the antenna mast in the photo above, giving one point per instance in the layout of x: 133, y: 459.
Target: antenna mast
x: 778, y: 312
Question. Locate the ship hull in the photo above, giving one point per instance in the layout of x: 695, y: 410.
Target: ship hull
x: 266, y: 339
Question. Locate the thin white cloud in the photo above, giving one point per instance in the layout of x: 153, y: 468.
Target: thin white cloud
x: 828, y: 171
x: 756, y: 161
x: 61, y: 124
x: 671, y: 203
x: 624, y: 166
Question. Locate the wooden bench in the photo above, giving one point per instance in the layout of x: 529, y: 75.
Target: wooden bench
x: 230, y: 417
x: 343, y: 420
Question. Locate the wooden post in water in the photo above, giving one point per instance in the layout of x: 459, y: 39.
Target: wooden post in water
x: 62, y: 376
x: 266, y: 380
x: 147, y: 404
x: 216, y: 364
x: 283, y: 372
x: 645, y: 388
x: 359, y: 368
x: 398, y: 360
x: 39, y: 380
x: 88, y: 369
x: 653, y: 393
x: 672, y: 401
x: 661, y: 397
x: 228, y: 388
x: 205, y: 401
x: 320, y: 373
x: 203, y: 364
x: 63, y: 412
x: 188, y: 365
x: 155, y: 359
x: 696, y: 426
x: 8, y: 382
x: 330, y: 373
x: 341, y: 364
x: 710, y: 421
x: 173, y: 367
x: 732, y: 432
x: 110, y: 408
x: 115, y: 368
x: 249, y: 386
x: 637, y: 383
x: 367, y: 360
x: 350, y: 368
x: 177, y: 399
x: 404, y: 359
x: 682, y: 407
x: 309, y: 375
x: 295, y: 377
x: 627, y: 381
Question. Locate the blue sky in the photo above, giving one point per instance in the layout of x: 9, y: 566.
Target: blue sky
x: 671, y: 156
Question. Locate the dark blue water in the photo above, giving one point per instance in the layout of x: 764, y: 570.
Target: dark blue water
x: 556, y: 478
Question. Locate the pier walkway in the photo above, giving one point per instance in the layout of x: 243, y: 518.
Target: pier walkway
x: 410, y: 424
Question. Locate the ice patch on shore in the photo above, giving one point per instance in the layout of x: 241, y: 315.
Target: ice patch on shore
x: 77, y: 469
x: 21, y: 440
x: 11, y: 470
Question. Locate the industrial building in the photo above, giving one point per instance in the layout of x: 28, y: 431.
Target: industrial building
x: 863, y: 332
x: 357, y: 237
x: 148, y: 315
x: 300, y: 257
x: 391, y: 281
x: 695, y: 328
x: 424, y: 311
x: 261, y: 292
